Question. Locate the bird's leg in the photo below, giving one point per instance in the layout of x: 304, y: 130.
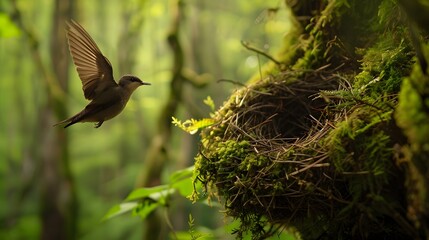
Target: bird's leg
x: 99, y: 124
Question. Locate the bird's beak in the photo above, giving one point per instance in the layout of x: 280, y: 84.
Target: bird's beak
x: 145, y: 83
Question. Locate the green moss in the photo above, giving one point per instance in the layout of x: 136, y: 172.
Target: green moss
x: 226, y: 162
x: 412, y: 115
x: 360, y: 150
x: 384, y: 65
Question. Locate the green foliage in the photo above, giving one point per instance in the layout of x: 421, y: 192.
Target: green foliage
x: 191, y: 125
x: 193, y: 234
x: 143, y: 201
x: 7, y: 27
x: 120, y: 209
x: 412, y: 114
x: 28, y: 227
x: 209, y: 102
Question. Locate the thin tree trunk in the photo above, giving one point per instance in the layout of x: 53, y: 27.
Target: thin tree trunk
x: 156, y: 157
x: 59, y: 199
x: 58, y: 209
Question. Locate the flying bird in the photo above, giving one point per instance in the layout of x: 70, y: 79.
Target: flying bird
x: 108, y: 98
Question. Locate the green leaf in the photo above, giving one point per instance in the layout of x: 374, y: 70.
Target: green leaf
x: 185, y: 187
x: 191, y: 125
x: 161, y: 196
x: 181, y: 174
x: 182, y: 181
x: 145, y: 192
x: 153, y: 197
x: 200, y: 124
x: 145, y: 209
x: 119, y: 209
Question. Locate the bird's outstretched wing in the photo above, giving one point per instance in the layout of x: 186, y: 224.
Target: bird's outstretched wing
x: 93, y: 68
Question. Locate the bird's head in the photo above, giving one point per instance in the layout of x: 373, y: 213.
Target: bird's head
x: 131, y: 83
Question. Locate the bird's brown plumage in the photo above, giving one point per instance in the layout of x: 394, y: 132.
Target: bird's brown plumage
x: 108, y: 98
x: 94, y: 69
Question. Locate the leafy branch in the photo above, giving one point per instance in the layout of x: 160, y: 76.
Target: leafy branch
x: 192, y: 125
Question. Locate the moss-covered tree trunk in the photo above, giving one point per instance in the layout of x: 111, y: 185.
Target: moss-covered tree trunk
x: 334, y: 141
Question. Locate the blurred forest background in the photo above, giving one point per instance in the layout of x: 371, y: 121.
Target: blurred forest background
x: 59, y: 182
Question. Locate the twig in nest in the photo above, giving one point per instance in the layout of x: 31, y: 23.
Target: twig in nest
x: 231, y: 81
x: 248, y: 47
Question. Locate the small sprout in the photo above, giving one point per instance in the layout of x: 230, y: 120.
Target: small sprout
x: 191, y: 125
x: 209, y: 102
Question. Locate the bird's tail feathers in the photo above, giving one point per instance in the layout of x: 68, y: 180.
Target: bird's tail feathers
x: 62, y: 122
x: 69, y: 121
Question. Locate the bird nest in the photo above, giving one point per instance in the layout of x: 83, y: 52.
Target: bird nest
x: 281, y: 155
